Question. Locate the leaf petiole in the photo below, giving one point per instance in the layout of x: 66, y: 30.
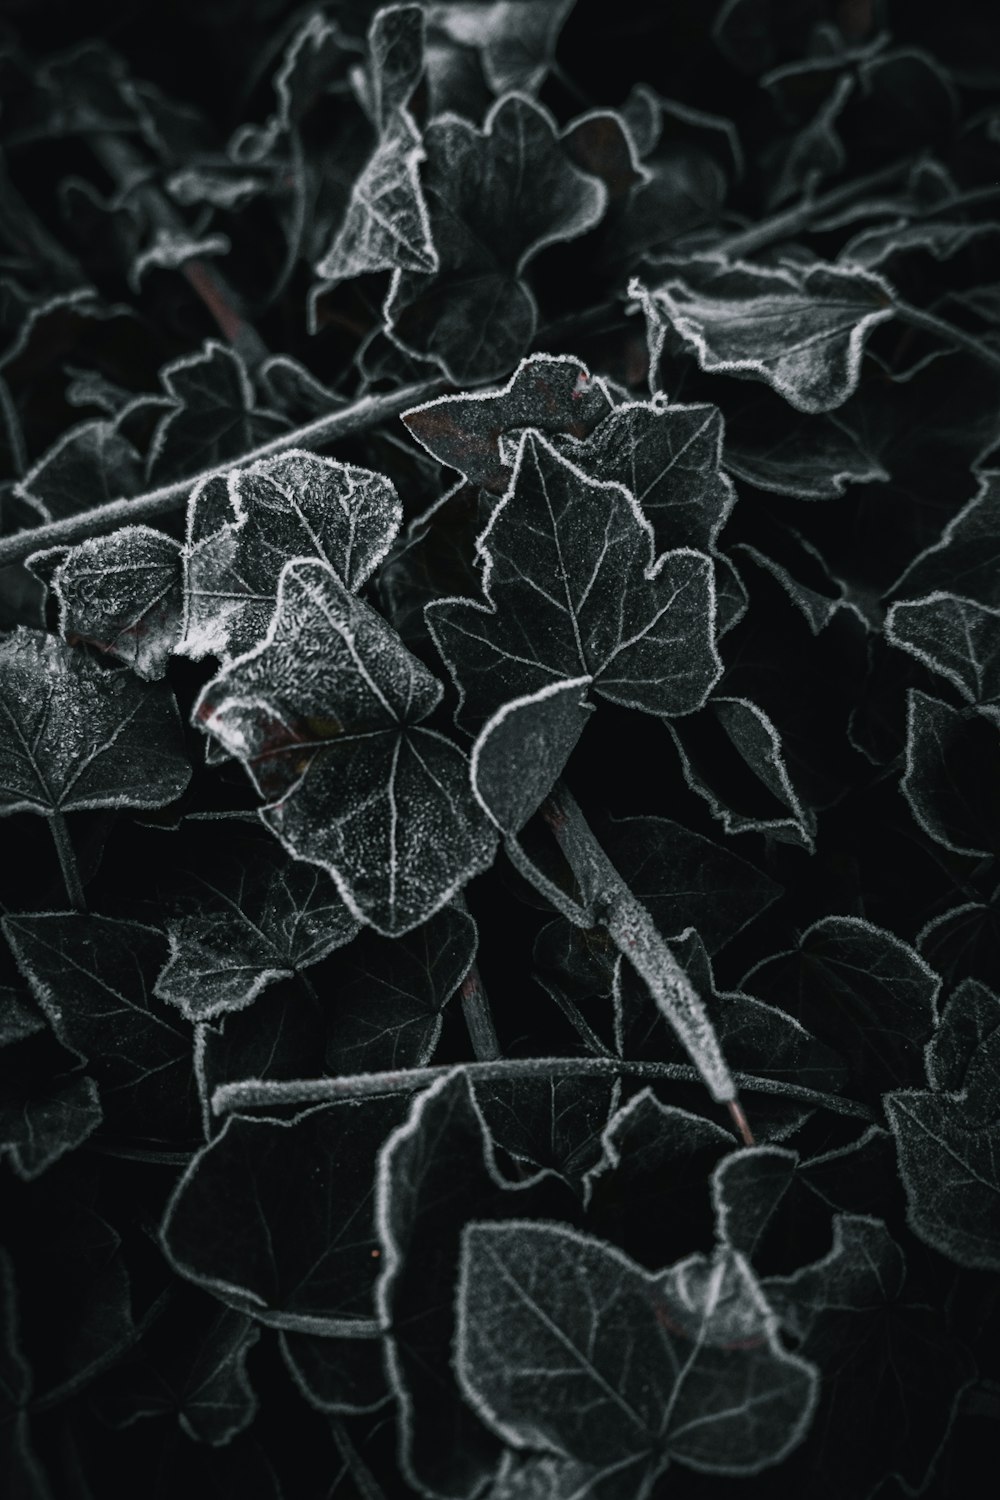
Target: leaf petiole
x: 67, y: 861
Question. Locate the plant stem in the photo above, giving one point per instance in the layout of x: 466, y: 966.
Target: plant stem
x: 346, y: 421
x: 228, y: 1098
x: 949, y: 333
x: 123, y: 163
x: 67, y: 861
x: 367, y: 1485
x: 792, y: 220
x: 637, y: 937
x: 478, y: 1016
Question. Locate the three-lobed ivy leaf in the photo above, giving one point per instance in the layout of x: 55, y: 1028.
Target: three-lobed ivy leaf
x: 574, y: 589
x: 957, y: 638
x: 80, y: 735
x: 800, y: 329
x: 123, y: 594
x: 548, y: 392
x: 326, y: 715
x: 496, y: 197
x: 242, y: 529
x: 567, y: 1346
x: 213, y: 415
x: 260, y: 922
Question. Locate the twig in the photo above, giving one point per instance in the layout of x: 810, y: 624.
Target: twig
x: 949, y: 333
x: 230, y: 1098
x: 478, y: 1016
x: 792, y: 220
x: 346, y: 421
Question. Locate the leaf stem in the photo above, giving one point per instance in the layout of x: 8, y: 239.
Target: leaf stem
x: 67, y: 861
x: 124, y: 164
x: 252, y: 1093
x: 346, y: 421
x: 792, y: 220
x: 949, y: 333
x: 478, y: 1016
x: 365, y: 1482
x: 633, y: 931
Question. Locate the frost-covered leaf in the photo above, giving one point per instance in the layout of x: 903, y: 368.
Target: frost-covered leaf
x: 93, y: 977
x: 38, y: 1126
x: 964, y: 940
x: 747, y: 1187
x: 521, y: 751
x: 550, y: 1124
x: 938, y: 237
x: 82, y: 736
x: 862, y: 990
x: 192, y: 1366
x: 948, y: 1138
x: 952, y: 776
x: 89, y: 465
x: 496, y: 197
x: 122, y: 593
x: 669, y: 457
x: 892, y: 1368
x: 386, y: 227
x: 395, y: 59
x: 566, y: 1345
x: 274, y: 1217
x: 168, y: 251
x: 966, y: 559
x: 801, y: 330
x: 767, y: 802
x: 375, y: 1005
x: 436, y: 1172
x: 955, y: 637
x: 961, y: 1051
x: 810, y: 456
x: 549, y: 392
x: 573, y: 590
x: 268, y: 920
x: 213, y: 417
x: 515, y: 39
x: 313, y: 58
x: 326, y: 715
x: 242, y: 529
x: 337, y: 1376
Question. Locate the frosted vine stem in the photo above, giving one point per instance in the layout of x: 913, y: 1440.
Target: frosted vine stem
x: 360, y: 416
x: 635, y: 934
x: 67, y: 861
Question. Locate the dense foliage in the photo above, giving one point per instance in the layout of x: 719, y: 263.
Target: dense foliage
x: 499, y: 681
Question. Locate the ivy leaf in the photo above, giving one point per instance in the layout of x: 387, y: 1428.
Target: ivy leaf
x: 326, y: 715
x: 274, y: 1217
x: 93, y: 977
x: 268, y: 920
x: 950, y: 781
x: 213, y: 416
x: 89, y: 465
x: 436, y: 1171
x: 669, y: 457
x: 122, y: 594
x: 964, y: 940
x: 810, y: 456
x: 766, y: 801
x: 193, y: 1367
x: 566, y: 1345
x: 496, y: 197
x: 862, y: 990
x: 800, y: 329
x: 81, y: 736
x: 395, y: 59
x: 386, y: 227
x: 955, y: 637
x: 966, y: 559
x: 243, y: 529
x: 893, y: 1370
x: 947, y: 1137
x: 550, y: 1124
x: 39, y: 1125
x: 569, y: 595
x: 312, y: 60
x: 382, y: 1008
x: 521, y: 751
x: 549, y: 392
x: 515, y: 39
